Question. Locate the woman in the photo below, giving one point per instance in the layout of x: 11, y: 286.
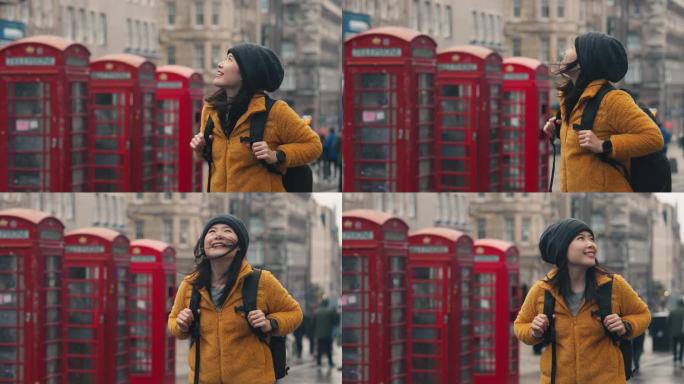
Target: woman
x: 230, y: 351
x: 621, y: 129
x: 585, y: 353
x: 237, y: 165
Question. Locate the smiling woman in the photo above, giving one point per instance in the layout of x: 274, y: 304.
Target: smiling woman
x: 580, y: 297
x: 237, y: 159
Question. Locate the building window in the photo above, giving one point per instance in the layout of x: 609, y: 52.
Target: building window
x: 598, y: 222
x: 199, y: 13
x: 287, y: 50
x: 509, y: 230
x: 184, y: 231
x: 129, y: 26
x: 171, y: 14
x: 290, y: 13
x: 199, y: 57
x: 611, y: 25
x: 139, y: 229
x: 167, y: 196
x: 413, y: 15
x: 146, y: 37
x: 545, y: 9
x: 256, y: 226
x: 560, y: 47
x: 171, y: 54
x: 561, y: 9
x: 492, y: 28
x: 449, y: 22
x: 425, y: 20
x: 74, y: 32
x: 481, y: 231
x: 517, y: 6
x: 215, y: 13
x: 525, y: 230
x: 516, y: 47
x: 93, y: 28
x: 438, y: 25
x: 264, y: 5
x: 83, y: 35
x: 476, y: 27
x: 103, y: 29
x: 633, y: 42
x: 166, y: 230
x: 634, y: 72
x: 215, y: 54
x: 183, y: 196
x: 544, y: 49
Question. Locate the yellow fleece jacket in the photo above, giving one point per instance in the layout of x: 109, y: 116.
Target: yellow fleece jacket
x: 230, y: 352
x: 585, y: 355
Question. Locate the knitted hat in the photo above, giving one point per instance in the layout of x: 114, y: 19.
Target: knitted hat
x: 233, y: 222
x: 260, y: 67
x: 601, y: 56
x: 556, y: 239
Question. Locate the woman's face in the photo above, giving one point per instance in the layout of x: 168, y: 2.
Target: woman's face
x: 228, y: 73
x: 219, y: 239
x: 582, y: 250
x: 569, y: 57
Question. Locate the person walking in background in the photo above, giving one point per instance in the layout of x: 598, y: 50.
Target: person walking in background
x: 675, y: 322
x: 325, y: 320
x: 299, y: 335
x: 329, y: 154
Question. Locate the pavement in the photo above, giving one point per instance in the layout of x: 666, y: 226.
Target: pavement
x: 302, y: 371
x: 320, y: 184
x: 674, y: 153
x: 656, y: 367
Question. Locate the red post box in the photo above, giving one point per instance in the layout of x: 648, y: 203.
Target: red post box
x: 468, y: 117
x: 96, y: 306
x: 388, y: 111
x: 122, y: 104
x: 525, y: 104
x: 31, y: 257
x: 43, y: 104
x: 496, y: 302
x: 440, y: 271
x: 374, y: 252
x: 153, y: 277
x: 179, y: 105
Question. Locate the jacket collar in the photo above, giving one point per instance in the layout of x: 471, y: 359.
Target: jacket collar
x: 245, y: 269
x: 592, y: 89
x: 256, y: 105
x: 601, y: 279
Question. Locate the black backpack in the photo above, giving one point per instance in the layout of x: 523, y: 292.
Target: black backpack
x: 276, y: 344
x: 605, y: 309
x: 296, y: 179
x: 650, y: 173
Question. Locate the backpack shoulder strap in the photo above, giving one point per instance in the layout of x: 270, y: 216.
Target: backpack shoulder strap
x: 195, y: 328
x: 604, y: 298
x: 194, y: 305
x: 550, y: 335
x: 258, y: 121
x: 592, y: 106
x: 250, y: 287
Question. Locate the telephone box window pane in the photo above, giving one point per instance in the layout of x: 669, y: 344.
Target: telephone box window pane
x: 351, y: 283
x: 453, y: 105
x: 33, y: 89
x: 425, y: 334
x: 8, y: 335
x: 424, y: 115
x: 81, y: 333
x: 28, y: 107
x: 80, y: 303
x: 81, y: 363
x: 424, y: 318
x: 80, y: 318
x: 453, y: 151
x: 104, y: 129
x: 107, y: 144
x: 453, y: 165
x: 8, y: 371
x: 425, y: 80
x: 106, y: 159
x: 374, y: 99
x: 52, y: 350
x: 8, y: 353
x: 426, y: 273
x: 52, y: 315
x: 352, y: 319
x: 27, y: 143
x: 8, y: 318
x: 52, y: 298
x: 397, y: 264
x: 374, y: 134
x: 106, y: 114
x: 374, y: 152
x: 28, y: 160
x: 106, y: 174
x: 425, y: 364
x: 374, y: 80
x: 429, y: 288
x: 107, y: 99
x: 425, y: 349
x: 454, y: 180
x: 83, y: 273
x: 374, y: 170
x: 8, y: 263
x: 453, y: 121
x: 80, y: 377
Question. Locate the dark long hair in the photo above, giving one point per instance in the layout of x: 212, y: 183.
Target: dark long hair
x: 561, y: 280
x: 572, y: 91
x: 202, y: 271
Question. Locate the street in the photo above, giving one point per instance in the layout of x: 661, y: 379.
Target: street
x: 304, y: 371
x: 655, y: 367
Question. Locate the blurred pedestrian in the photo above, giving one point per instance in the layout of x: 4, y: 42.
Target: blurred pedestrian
x: 311, y: 332
x: 325, y: 321
x: 621, y: 129
x: 299, y: 335
x: 675, y: 322
x: 637, y: 351
x: 337, y: 147
x: 235, y: 162
x: 584, y: 348
x: 329, y: 154
x: 230, y: 344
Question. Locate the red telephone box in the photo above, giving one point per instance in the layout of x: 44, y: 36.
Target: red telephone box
x: 122, y: 97
x: 43, y: 104
x: 96, y: 306
x: 496, y: 299
x: 374, y: 252
x: 153, y: 277
x: 440, y: 271
x: 468, y: 117
x: 388, y: 106
x: 179, y: 105
x: 31, y: 256
x: 525, y: 104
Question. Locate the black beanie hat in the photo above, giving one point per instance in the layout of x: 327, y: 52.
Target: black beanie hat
x: 556, y: 239
x: 601, y: 56
x: 260, y: 67
x: 238, y: 227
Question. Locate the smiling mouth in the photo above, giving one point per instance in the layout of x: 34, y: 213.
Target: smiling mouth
x: 219, y: 74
